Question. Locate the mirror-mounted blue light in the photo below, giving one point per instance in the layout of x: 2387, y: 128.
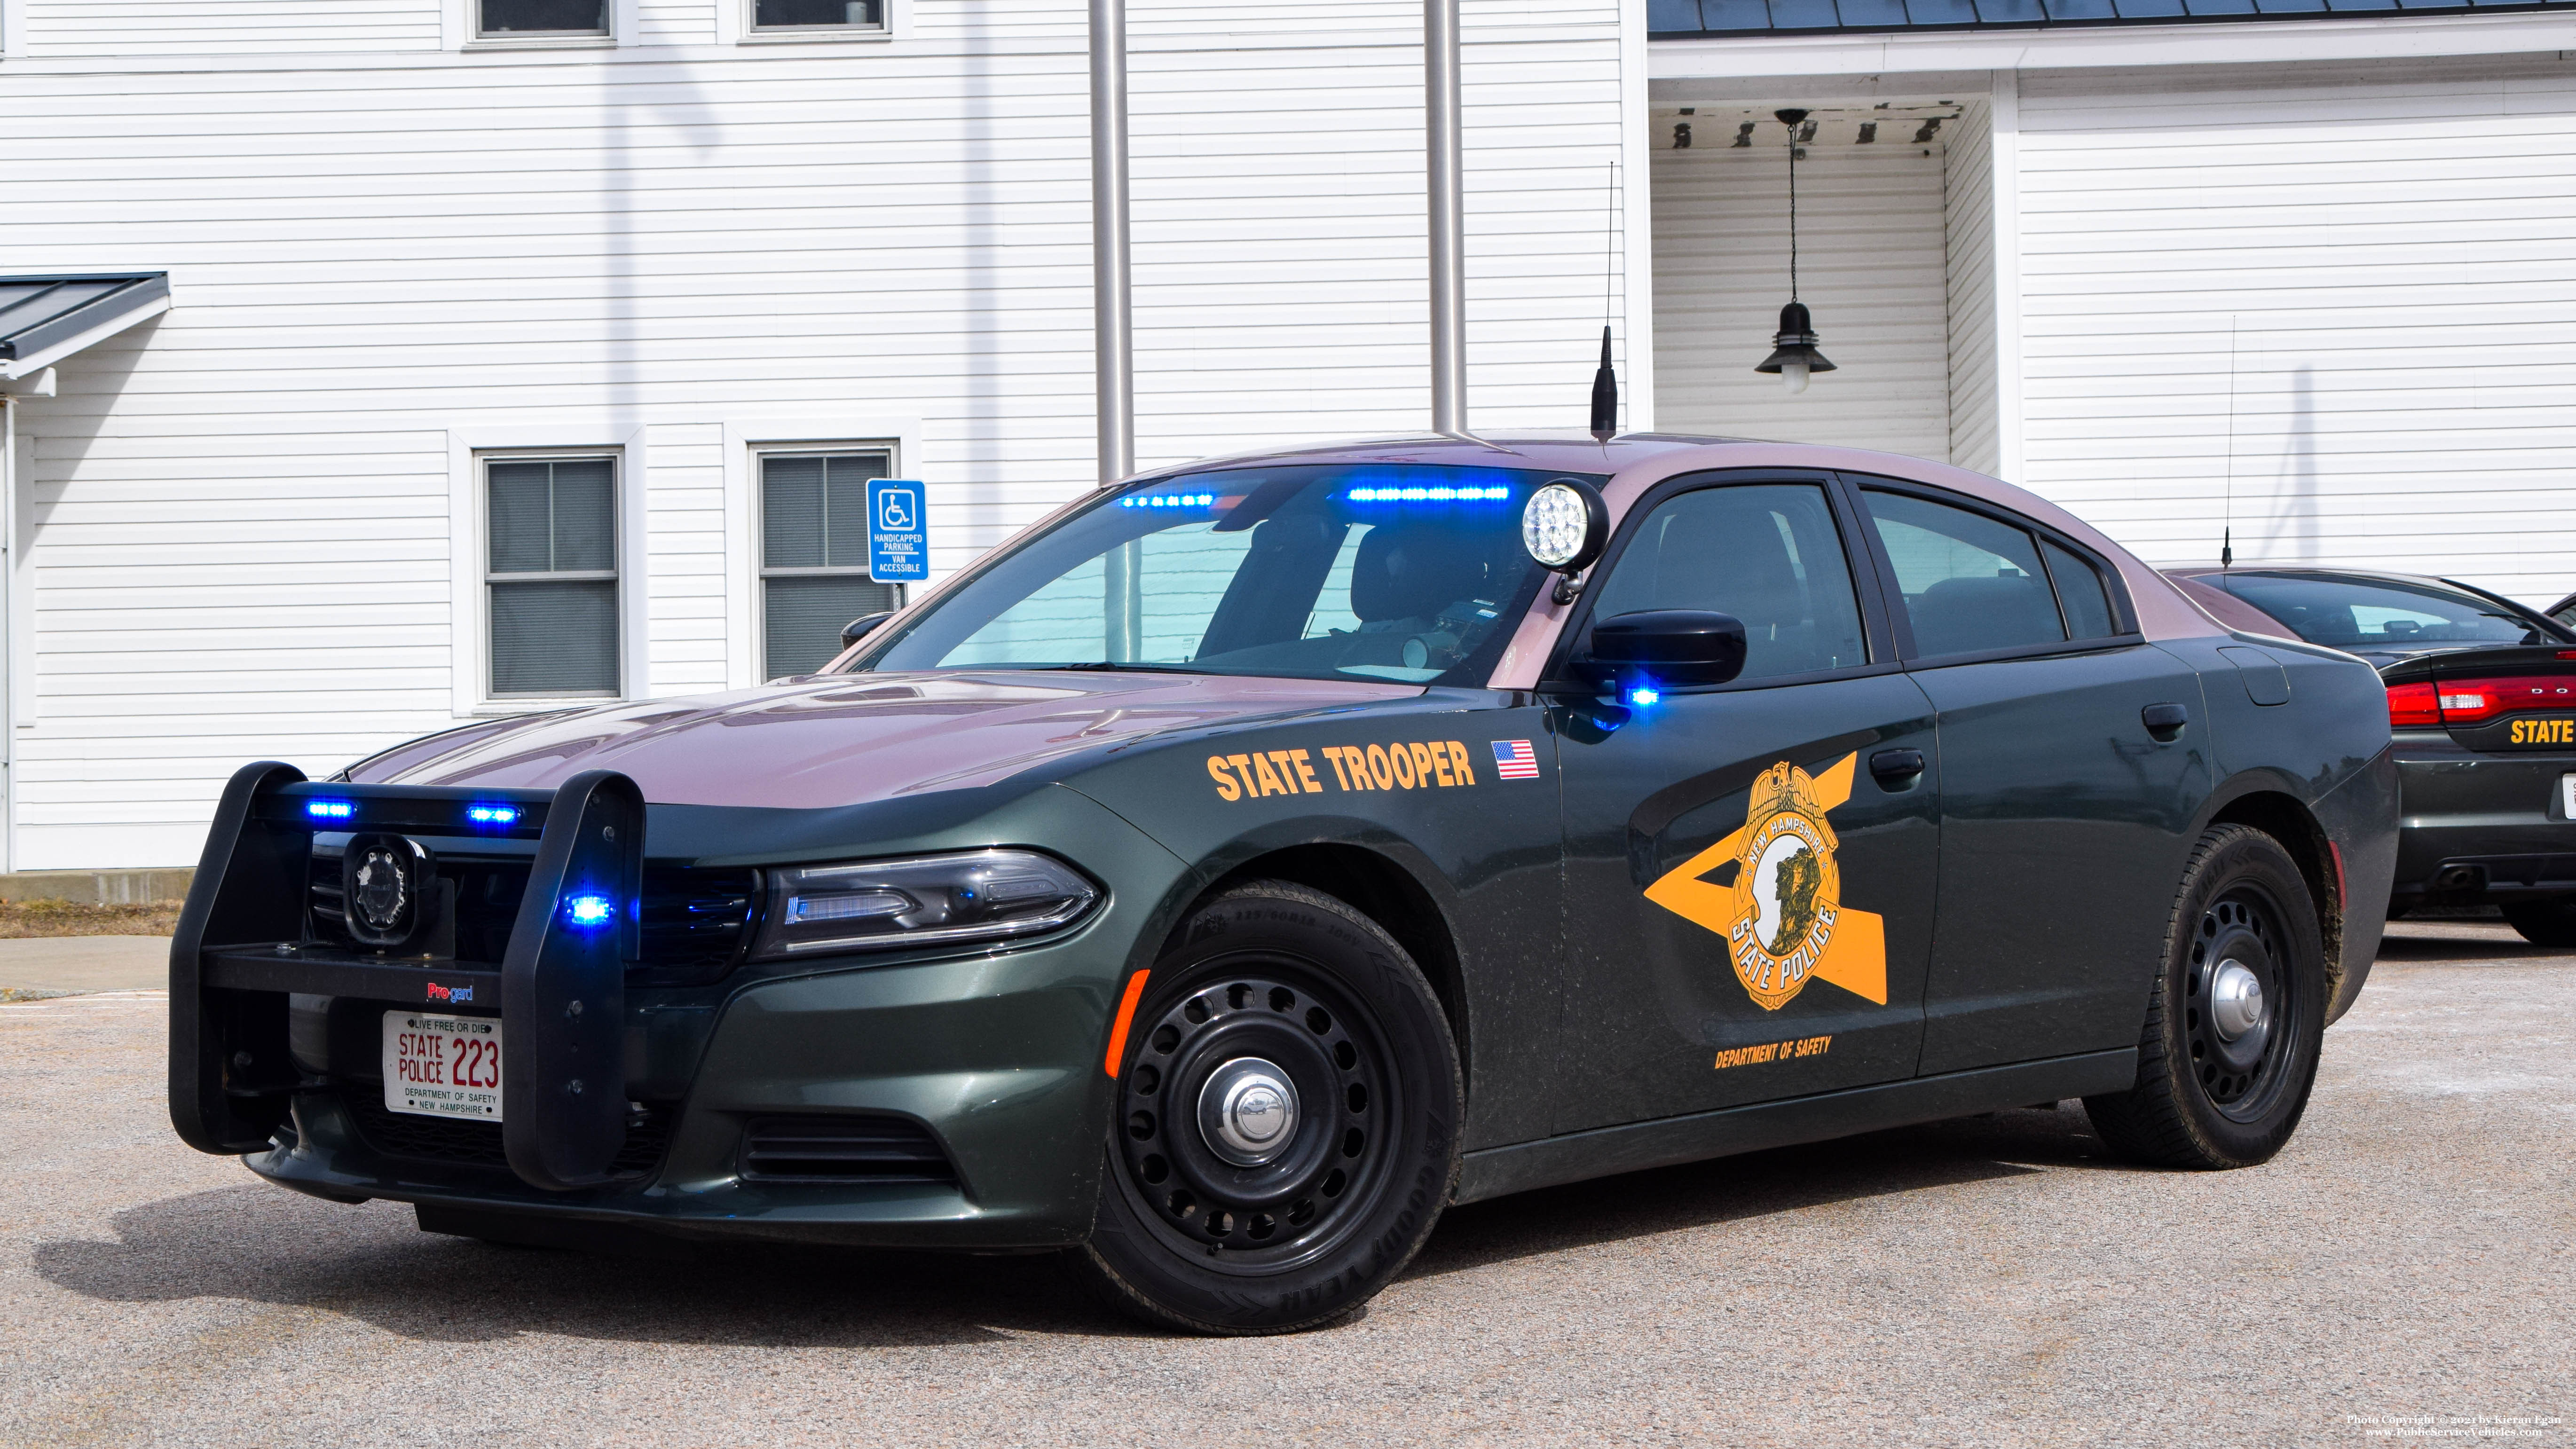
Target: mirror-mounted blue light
x: 492, y: 814
x: 1644, y: 695
x: 329, y: 809
x: 589, y: 912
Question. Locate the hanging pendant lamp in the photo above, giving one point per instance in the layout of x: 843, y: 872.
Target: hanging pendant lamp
x: 1793, y: 348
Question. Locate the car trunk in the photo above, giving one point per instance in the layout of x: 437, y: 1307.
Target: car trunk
x: 2503, y: 699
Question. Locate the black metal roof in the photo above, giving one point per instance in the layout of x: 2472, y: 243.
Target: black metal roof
x: 1691, y: 19
x: 45, y: 311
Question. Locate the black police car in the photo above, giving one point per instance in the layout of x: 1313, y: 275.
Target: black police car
x: 2482, y: 700
x: 1245, y: 863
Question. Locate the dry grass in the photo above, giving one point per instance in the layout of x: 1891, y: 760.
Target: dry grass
x: 21, y: 919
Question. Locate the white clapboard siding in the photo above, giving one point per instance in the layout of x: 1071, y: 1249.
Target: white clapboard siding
x: 243, y: 535
x: 2388, y: 248
x: 1870, y: 268
x: 158, y: 28
x: 1968, y: 219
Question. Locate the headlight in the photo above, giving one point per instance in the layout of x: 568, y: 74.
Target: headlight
x: 882, y: 905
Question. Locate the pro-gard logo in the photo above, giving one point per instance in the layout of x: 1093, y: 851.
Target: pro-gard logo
x: 1781, y: 911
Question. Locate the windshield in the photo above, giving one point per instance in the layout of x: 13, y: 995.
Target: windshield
x: 1309, y: 572
x: 2359, y: 614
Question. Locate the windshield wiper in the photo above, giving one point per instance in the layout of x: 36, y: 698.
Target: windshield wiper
x: 1107, y: 664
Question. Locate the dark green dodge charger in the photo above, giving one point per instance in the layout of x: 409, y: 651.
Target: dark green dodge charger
x: 1249, y: 861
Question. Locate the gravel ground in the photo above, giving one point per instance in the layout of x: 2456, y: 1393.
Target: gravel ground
x: 2406, y: 1264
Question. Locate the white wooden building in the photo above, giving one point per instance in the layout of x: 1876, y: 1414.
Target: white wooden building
x: 501, y: 366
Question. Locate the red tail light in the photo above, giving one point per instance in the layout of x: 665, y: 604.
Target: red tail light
x: 2413, y: 706
x: 2475, y: 701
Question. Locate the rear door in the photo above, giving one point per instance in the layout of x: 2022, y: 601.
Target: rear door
x: 1749, y: 867
x: 2064, y: 815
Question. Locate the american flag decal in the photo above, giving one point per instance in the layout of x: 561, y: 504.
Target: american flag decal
x: 1515, y: 760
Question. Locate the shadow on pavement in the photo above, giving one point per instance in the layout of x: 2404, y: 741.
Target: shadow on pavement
x: 1759, y: 1184
x: 2459, y: 943
x: 260, y: 1244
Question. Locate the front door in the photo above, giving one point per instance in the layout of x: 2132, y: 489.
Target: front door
x: 1749, y: 867
x: 2064, y: 815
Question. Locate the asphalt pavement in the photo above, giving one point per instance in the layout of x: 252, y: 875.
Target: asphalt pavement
x: 2406, y: 1266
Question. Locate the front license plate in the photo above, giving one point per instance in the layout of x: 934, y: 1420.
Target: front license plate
x: 443, y: 1066
x: 2567, y: 797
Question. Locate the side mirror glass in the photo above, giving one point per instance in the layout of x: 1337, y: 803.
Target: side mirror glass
x: 1659, y: 647
x: 862, y: 626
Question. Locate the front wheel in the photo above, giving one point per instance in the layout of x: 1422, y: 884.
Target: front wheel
x: 2235, y: 1018
x: 1287, y: 1125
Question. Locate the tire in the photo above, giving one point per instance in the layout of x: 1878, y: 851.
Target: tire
x: 1340, y: 1201
x: 2204, y: 1099
x: 2544, y: 923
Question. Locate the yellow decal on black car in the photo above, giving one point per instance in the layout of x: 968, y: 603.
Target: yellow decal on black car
x: 2544, y: 732
x: 1402, y: 765
x: 1783, y: 916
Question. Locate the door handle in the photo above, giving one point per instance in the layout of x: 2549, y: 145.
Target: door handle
x: 2165, y: 721
x: 1895, y: 768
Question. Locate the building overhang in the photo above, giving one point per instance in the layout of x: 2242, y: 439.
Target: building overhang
x: 47, y: 317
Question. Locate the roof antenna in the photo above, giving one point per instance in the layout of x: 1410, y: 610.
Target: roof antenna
x: 1605, y: 383
x: 2227, y: 517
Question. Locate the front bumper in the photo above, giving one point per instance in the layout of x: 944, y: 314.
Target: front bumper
x: 989, y: 1056
x: 2480, y: 827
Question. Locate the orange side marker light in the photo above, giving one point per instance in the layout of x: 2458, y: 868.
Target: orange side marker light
x: 1126, y: 1016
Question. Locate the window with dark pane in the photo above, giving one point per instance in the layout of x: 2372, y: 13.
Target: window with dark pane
x: 2080, y: 594
x: 817, y: 14
x: 543, y: 17
x: 1970, y: 582
x: 551, y: 573
x: 814, y: 555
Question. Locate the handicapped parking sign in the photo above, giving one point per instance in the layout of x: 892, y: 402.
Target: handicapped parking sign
x: 898, y: 535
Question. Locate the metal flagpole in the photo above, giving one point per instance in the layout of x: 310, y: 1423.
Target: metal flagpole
x: 1113, y: 342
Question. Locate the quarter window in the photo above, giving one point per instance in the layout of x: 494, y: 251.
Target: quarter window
x: 814, y: 555
x: 1971, y: 584
x: 823, y: 15
x: 541, y: 17
x: 1769, y: 554
x: 2080, y: 594
x: 551, y: 575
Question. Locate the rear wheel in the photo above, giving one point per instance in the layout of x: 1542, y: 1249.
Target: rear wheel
x: 2544, y: 923
x: 1287, y: 1121
x: 2235, y: 1017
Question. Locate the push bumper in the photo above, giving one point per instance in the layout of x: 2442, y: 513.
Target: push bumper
x: 989, y: 1060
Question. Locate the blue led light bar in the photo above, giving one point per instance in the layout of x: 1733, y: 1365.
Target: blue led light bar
x: 492, y: 814
x: 589, y: 912
x: 1430, y: 493
x: 1168, y: 500
x: 329, y: 809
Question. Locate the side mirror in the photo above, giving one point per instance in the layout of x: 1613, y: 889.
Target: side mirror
x: 1665, y: 647
x: 862, y: 626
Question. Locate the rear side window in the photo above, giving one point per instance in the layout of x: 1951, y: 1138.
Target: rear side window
x: 1970, y: 584
x: 2349, y: 613
x: 1767, y: 553
x: 2080, y: 594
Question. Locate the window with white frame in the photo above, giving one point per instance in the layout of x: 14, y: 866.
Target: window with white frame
x: 814, y: 555
x: 821, y: 17
x: 517, y: 19
x: 550, y: 576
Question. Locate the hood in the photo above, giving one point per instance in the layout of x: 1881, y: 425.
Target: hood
x: 848, y: 739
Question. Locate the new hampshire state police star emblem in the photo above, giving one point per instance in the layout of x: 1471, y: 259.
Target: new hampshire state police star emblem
x: 1781, y: 911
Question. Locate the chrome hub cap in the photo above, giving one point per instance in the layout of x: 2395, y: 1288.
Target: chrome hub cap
x: 2235, y: 1000
x: 1247, y: 1111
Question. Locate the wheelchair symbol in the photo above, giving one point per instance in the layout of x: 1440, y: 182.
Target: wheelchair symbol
x: 894, y: 511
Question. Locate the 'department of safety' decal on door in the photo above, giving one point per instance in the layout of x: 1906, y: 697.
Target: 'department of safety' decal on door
x: 1782, y: 914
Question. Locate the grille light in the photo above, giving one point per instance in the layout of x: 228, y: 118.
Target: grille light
x: 329, y: 809
x: 892, y: 905
x: 589, y: 912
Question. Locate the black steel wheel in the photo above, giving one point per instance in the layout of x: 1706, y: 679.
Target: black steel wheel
x: 2234, y: 1019
x: 1287, y: 1121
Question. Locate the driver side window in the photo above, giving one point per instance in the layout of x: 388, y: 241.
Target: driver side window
x: 1767, y: 553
